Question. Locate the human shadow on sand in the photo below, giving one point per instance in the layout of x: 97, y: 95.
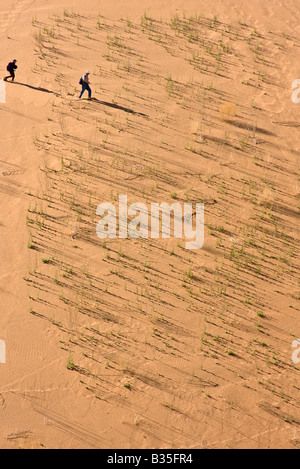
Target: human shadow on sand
x: 36, y: 88
x: 116, y: 106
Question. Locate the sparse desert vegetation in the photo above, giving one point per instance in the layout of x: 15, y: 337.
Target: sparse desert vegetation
x: 167, y: 347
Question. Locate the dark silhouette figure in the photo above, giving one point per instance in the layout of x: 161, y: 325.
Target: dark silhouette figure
x: 11, y: 67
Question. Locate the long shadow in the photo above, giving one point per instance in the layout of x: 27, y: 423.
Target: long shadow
x: 37, y: 88
x: 116, y: 106
x: 248, y: 126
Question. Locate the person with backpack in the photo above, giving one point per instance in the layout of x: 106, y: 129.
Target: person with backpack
x: 11, y: 67
x: 85, y: 83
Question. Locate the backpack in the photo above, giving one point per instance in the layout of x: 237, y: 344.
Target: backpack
x: 8, y: 67
x: 80, y: 81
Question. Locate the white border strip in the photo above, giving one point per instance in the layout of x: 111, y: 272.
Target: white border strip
x: 2, y: 352
x: 2, y: 92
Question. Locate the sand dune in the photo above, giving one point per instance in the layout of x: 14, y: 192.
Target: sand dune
x: 143, y: 343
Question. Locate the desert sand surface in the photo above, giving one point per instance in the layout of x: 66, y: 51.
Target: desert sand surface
x: 143, y: 343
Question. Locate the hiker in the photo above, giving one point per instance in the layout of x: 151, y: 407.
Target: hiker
x: 11, y: 67
x: 85, y: 83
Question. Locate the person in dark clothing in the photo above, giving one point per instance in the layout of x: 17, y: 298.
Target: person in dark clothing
x: 11, y: 67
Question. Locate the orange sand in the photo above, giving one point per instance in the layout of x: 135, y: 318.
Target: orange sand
x: 141, y: 343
